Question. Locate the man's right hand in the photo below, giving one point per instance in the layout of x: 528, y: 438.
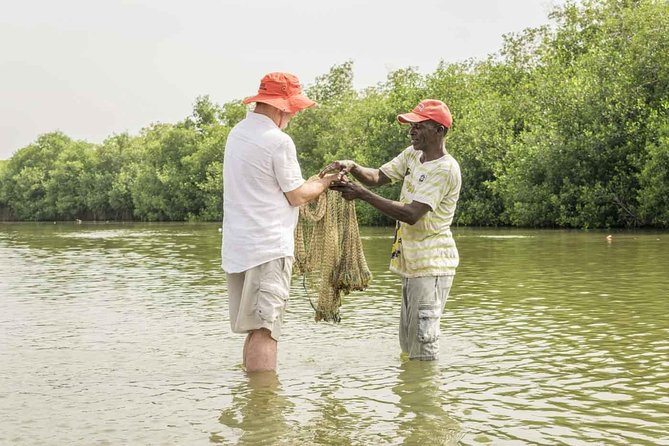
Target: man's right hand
x: 348, y: 189
x: 341, y: 166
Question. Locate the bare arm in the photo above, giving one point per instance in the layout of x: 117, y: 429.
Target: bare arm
x: 407, y: 213
x: 366, y: 175
x: 310, y: 190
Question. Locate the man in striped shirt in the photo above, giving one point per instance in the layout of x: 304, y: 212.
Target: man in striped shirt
x: 424, y: 252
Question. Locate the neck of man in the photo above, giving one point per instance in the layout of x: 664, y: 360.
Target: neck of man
x: 434, y: 151
x: 271, y: 112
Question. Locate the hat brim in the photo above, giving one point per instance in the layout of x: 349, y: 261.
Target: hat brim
x: 410, y: 117
x: 292, y: 104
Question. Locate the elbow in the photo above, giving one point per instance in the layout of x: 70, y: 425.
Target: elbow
x: 304, y: 194
x: 411, y: 220
x: 295, y: 198
x: 299, y: 200
x: 296, y: 202
x: 412, y: 214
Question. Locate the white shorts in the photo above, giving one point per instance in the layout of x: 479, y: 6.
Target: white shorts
x: 258, y: 296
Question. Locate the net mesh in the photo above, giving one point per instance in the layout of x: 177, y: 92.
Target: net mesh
x: 328, y: 253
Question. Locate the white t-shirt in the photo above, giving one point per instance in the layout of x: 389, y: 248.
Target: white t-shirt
x: 259, y: 165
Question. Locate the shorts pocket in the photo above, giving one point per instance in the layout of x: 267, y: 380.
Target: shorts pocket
x: 271, y: 301
x: 428, y: 323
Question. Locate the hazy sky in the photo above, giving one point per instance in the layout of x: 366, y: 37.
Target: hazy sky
x: 94, y: 68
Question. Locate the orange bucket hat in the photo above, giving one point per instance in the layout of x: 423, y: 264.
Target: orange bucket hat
x: 428, y: 109
x: 283, y: 91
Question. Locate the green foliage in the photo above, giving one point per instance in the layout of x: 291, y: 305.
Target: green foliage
x: 578, y: 164
x: 317, y: 130
x: 3, y: 198
x: 566, y: 127
x: 65, y: 187
x: 654, y: 177
x: 168, y: 172
x: 27, y: 174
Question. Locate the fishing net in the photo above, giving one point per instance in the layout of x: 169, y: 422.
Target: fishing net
x: 328, y: 253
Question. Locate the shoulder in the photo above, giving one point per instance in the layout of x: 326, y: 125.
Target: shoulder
x: 274, y: 139
x: 282, y: 140
x: 239, y: 127
x: 410, y: 154
x: 447, y: 164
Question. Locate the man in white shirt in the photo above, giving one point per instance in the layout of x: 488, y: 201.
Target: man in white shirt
x: 263, y: 188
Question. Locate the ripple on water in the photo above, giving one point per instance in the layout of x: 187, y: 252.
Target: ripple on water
x: 120, y: 335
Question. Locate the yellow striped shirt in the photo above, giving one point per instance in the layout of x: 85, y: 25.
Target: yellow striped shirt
x: 425, y: 248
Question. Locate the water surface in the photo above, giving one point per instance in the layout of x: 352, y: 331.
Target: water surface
x: 118, y: 334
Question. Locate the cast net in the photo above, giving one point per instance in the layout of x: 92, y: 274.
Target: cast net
x: 328, y: 253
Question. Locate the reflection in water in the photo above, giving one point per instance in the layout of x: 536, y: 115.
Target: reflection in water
x: 422, y: 418
x: 258, y: 411
x: 332, y: 424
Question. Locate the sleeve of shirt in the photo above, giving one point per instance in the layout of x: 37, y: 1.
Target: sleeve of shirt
x: 396, y: 168
x: 435, y: 186
x: 286, y: 168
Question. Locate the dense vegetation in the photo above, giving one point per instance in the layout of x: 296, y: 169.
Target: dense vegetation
x: 566, y: 127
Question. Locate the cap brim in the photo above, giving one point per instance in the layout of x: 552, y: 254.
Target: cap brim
x: 292, y: 104
x: 410, y: 117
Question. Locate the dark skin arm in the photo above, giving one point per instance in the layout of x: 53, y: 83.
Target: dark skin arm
x: 366, y: 175
x: 407, y: 213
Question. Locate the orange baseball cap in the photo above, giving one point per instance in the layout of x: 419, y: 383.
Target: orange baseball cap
x: 428, y: 109
x: 283, y: 91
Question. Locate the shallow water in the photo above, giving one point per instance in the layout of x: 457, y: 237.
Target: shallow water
x: 118, y: 334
